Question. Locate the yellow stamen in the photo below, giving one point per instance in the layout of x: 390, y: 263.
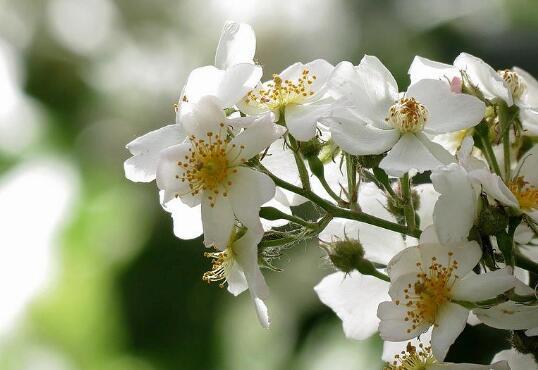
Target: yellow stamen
x: 515, y: 83
x: 413, y: 359
x: 526, y: 194
x: 407, y: 115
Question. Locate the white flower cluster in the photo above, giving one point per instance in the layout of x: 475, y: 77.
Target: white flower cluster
x: 426, y: 200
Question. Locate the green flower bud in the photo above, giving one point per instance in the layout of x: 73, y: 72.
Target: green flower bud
x: 310, y: 148
x: 346, y: 255
x: 492, y: 220
x: 370, y: 161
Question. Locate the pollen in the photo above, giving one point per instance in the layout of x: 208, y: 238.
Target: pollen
x: 515, y: 83
x: 222, y: 262
x: 526, y: 194
x: 413, y: 358
x: 407, y: 115
x: 278, y: 93
x: 431, y: 290
x: 207, y: 166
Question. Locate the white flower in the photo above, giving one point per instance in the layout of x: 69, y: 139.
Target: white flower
x: 380, y: 119
x: 354, y: 297
x: 208, y: 169
x: 524, y: 185
x: 234, y: 72
x: 425, y: 282
x: 460, y: 185
x: 416, y: 356
x: 516, y: 360
x: 300, y: 92
x: 514, y: 86
x: 238, y: 265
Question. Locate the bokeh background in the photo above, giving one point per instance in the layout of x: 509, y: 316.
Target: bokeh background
x: 91, y: 276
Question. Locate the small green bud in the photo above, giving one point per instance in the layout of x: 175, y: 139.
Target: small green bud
x: 469, y: 88
x: 492, y: 220
x: 396, y: 206
x: 370, y: 161
x: 270, y: 213
x: 310, y: 148
x: 525, y: 344
x: 346, y: 255
x: 316, y: 166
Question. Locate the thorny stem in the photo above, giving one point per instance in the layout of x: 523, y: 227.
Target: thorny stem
x: 336, y: 211
x: 409, y: 212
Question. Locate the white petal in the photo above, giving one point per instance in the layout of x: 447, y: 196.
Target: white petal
x: 467, y: 254
x: 457, y: 198
x: 254, y: 139
x: 476, y: 288
x: 391, y: 349
x: 322, y: 70
x: 393, y: 326
x: 509, y: 315
x: 451, y: 366
x: 218, y: 220
x: 530, y: 96
x: 404, y: 263
x: 354, y: 298
x: 494, y: 186
x: 447, y: 111
x: 423, y: 68
x: 201, y: 81
x: 484, y: 77
x: 142, y: 166
x: 302, y: 120
x: 528, y: 165
x: 428, y: 198
x: 246, y: 254
x: 237, y: 44
x: 236, y: 82
x: 236, y: 280
x: 168, y: 169
x: 529, y: 121
x: 429, y: 236
x: 187, y: 220
x: 249, y: 190
x: 516, y: 360
x: 451, y: 322
x: 203, y: 116
x: 409, y: 153
x: 357, y: 138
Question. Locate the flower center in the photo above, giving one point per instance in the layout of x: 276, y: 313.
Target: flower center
x: 221, y: 266
x: 279, y: 93
x: 431, y: 290
x: 413, y: 359
x: 407, y: 115
x: 526, y: 195
x: 206, y: 167
x: 515, y: 84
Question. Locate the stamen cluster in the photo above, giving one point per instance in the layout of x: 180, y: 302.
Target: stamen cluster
x: 408, y: 115
x: 515, y: 84
x: 222, y: 262
x: 413, y: 359
x: 526, y: 194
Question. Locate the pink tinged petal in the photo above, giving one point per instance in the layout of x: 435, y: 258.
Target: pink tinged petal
x: 142, y: 166
x: 484, y: 77
x: 456, y: 85
x: 249, y: 190
x: 474, y: 288
x: 169, y: 173
x: 516, y: 360
x: 187, y: 219
x: 393, y: 326
x: 218, y: 220
x: 509, y: 315
x: 423, y: 68
x: 494, y: 186
x: 457, y: 198
x: 411, y: 153
x: 254, y: 139
x: 529, y: 121
x: 236, y: 82
x: 530, y: 95
x: 237, y: 44
x: 447, y: 111
x: 302, y: 120
x: 358, y: 138
x: 354, y: 298
x: 451, y: 322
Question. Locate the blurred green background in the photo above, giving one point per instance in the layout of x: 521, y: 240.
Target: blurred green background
x: 91, y: 276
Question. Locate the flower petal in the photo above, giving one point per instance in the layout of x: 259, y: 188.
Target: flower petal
x: 516, y: 360
x: 168, y: 171
x: 529, y: 120
x: 357, y: 138
x: 457, y: 198
x: 474, y: 288
x: 393, y: 326
x: 354, y: 298
x: 322, y: 70
x: 447, y: 111
x: 237, y: 44
x: 410, y: 153
x: 530, y: 96
x: 494, y: 186
x: 302, y: 120
x: 203, y: 116
x: 236, y: 82
x: 218, y: 220
x: 187, y: 219
x: 391, y: 349
x: 142, y: 166
x: 451, y: 322
x: 423, y: 68
x: 484, y: 77
x: 528, y: 165
x: 502, y: 365
x: 509, y: 315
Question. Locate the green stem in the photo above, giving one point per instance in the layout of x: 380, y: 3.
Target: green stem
x: 278, y: 214
x: 336, y: 211
x: 409, y: 211
x: 299, y: 161
x: 351, y: 182
x: 507, y: 159
x: 490, y: 156
x: 525, y: 262
x: 330, y: 191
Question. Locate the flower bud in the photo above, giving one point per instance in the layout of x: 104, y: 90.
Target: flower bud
x: 492, y: 220
x: 346, y: 255
x: 370, y: 161
x: 310, y: 148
